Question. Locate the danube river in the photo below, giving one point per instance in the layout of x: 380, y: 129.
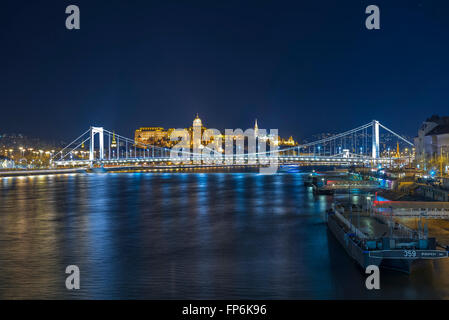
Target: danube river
x: 183, y: 235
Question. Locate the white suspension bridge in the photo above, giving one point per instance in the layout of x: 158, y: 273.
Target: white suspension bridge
x: 360, y: 146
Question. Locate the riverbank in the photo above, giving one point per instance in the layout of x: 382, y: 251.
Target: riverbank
x: 19, y: 173
x: 133, y: 169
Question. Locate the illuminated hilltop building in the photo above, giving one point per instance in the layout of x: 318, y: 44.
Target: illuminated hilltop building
x: 265, y: 137
x: 161, y: 137
x: 197, y: 122
x: 197, y: 132
x: 199, y: 139
x: 154, y: 136
x: 150, y: 134
x: 288, y: 142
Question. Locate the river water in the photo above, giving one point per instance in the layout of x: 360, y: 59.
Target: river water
x: 183, y: 235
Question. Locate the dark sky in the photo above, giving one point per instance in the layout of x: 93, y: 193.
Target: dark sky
x: 301, y: 66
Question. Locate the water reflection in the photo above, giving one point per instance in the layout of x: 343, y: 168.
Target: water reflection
x: 182, y: 235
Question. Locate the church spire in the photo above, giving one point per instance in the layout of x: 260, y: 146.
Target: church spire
x: 114, y: 142
x: 256, y: 129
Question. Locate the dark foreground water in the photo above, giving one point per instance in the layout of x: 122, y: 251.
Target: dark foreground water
x: 182, y: 235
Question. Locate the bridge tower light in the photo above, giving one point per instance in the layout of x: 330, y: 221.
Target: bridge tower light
x: 93, y: 132
x: 375, y: 139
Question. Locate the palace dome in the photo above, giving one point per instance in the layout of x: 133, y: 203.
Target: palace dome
x: 197, y: 122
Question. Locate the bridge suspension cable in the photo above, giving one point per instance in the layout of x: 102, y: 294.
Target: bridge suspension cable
x: 66, y: 147
x: 394, y: 133
x: 337, y: 136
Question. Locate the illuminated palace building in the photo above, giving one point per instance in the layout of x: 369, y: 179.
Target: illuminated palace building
x: 153, y: 135
x: 161, y: 137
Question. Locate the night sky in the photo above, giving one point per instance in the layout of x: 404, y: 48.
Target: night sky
x: 303, y: 67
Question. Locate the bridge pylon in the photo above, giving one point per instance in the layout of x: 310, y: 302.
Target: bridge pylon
x: 93, y: 131
x: 375, y: 140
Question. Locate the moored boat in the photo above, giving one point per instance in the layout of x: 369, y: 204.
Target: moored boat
x: 387, y: 245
